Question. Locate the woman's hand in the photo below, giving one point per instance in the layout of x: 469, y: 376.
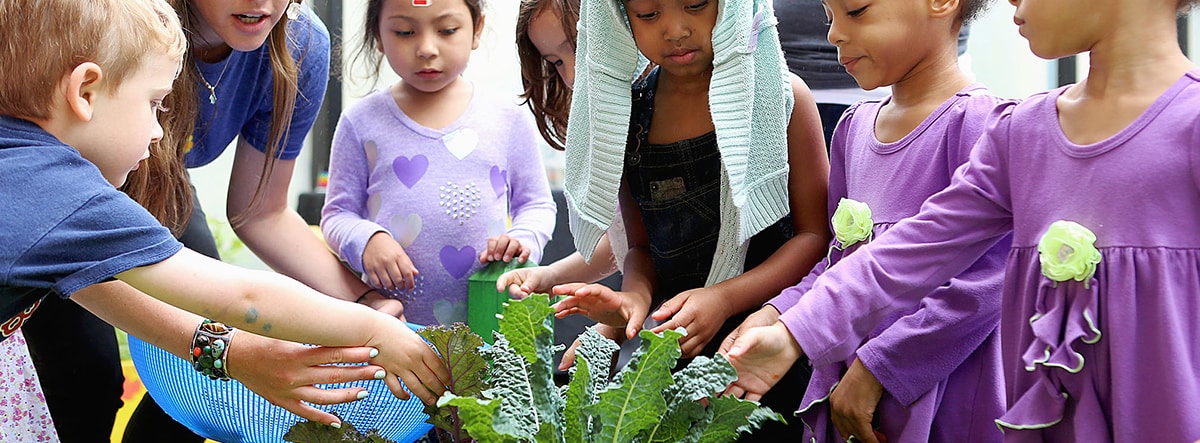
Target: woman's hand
x: 386, y: 265
x: 852, y: 403
x: 405, y: 355
x: 286, y: 373
x: 602, y: 304
x: 700, y: 311
x: 504, y: 248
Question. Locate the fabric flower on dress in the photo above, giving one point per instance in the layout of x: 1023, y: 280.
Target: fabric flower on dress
x: 1067, y: 251
x: 852, y: 222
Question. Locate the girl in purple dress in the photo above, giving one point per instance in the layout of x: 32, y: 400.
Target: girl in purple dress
x: 930, y: 372
x: 1099, y: 185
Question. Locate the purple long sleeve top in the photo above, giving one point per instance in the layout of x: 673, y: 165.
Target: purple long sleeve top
x: 1109, y: 357
x: 939, y: 361
x: 439, y: 192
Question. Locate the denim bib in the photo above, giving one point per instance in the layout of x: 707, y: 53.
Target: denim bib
x: 677, y: 188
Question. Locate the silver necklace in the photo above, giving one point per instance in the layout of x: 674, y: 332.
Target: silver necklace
x: 212, y: 88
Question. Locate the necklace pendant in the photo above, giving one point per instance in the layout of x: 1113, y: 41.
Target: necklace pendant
x: 212, y: 98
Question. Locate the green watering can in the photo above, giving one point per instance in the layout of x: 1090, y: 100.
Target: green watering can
x: 484, y: 302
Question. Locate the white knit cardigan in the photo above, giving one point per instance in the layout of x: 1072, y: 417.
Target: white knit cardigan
x: 750, y: 99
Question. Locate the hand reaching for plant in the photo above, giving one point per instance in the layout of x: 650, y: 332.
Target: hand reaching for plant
x: 286, y: 373
x: 386, y: 265
x: 504, y: 248
x: 524, y: 281
x: 761, y: 356
x: 766, y: 316
x: 405, y: 355
x: 606, y: 331
x: 852, y: 403
x: 600, y: 303
x: 700, y: 311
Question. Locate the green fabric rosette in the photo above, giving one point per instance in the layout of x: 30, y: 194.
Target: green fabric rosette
x: 1067, y: 251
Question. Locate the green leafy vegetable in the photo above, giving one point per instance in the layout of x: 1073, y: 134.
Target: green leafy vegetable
x: 516, y: 400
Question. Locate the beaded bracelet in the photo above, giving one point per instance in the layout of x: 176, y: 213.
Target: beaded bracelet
x: 210, y: 346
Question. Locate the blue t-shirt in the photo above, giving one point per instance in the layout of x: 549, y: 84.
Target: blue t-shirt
x: 64, y: 227
x: 244, y: 87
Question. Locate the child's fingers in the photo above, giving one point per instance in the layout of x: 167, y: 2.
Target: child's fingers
x: 567, y: 289
x: 513, y: 249
x: 410, y: 278
x: 523, y: 255
x: 568, y: 357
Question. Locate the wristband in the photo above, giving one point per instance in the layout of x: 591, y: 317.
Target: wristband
x: 364, y: 295
x: 210, y: 346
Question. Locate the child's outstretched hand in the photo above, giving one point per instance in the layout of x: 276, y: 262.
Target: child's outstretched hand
x: 386, y: 265
x: 766, y: 316
x: 852, y: 403
x: 602, y: 304
x: 614, y: 334
x: 403, y: 354
x: 524, y: 281
x: 761, y: 356
x: 504, y: 248
x: 700, y: 311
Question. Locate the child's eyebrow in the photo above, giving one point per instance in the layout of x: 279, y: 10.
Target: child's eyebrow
x: 444, y: 16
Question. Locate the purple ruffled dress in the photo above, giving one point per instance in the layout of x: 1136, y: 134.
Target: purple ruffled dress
x: 1114, y: 357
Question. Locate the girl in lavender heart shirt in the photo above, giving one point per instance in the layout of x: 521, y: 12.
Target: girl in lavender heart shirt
x: 425, y: 175
x: 1099, y: 185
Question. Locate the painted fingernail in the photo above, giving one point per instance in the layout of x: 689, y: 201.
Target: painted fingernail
x: 336, y: 425
x: 374, y: 352
x: 363, y: 394
x: 380, y: 374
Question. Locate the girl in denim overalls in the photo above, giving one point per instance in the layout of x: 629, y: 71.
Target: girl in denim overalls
x: 682, y: 166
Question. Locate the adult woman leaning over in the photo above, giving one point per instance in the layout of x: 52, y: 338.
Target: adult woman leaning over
x: 254, y: 79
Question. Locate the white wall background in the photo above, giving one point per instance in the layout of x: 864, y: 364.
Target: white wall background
x: 1000, y: 59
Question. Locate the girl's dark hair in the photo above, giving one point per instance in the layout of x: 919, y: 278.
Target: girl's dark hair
x: 546, y: 94
x: 973, y: 9
x: 368, y: 50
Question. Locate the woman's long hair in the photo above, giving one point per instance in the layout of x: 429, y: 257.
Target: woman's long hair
x: 162, y: 183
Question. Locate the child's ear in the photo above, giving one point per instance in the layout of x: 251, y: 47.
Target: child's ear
x: 83, y: 84
x: 944, y: 8
x: 478, y: 32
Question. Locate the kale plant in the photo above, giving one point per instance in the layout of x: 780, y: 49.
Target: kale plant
x: 644, y: 402
x: 518, y: 400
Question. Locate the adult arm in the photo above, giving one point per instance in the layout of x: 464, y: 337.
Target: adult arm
x: 280, y: 237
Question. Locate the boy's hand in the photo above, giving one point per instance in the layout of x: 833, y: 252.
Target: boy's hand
x: 286, y: 373
x: 524, y: 281
x: 602, y: 304
x: 504, y: 248
x: 612, y: 333
x: 852, y: 404
x: 700, y: 311
x: 761, y: 356
x: 766, y: 316
x: 386, y: 265
x: 405, y: 355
